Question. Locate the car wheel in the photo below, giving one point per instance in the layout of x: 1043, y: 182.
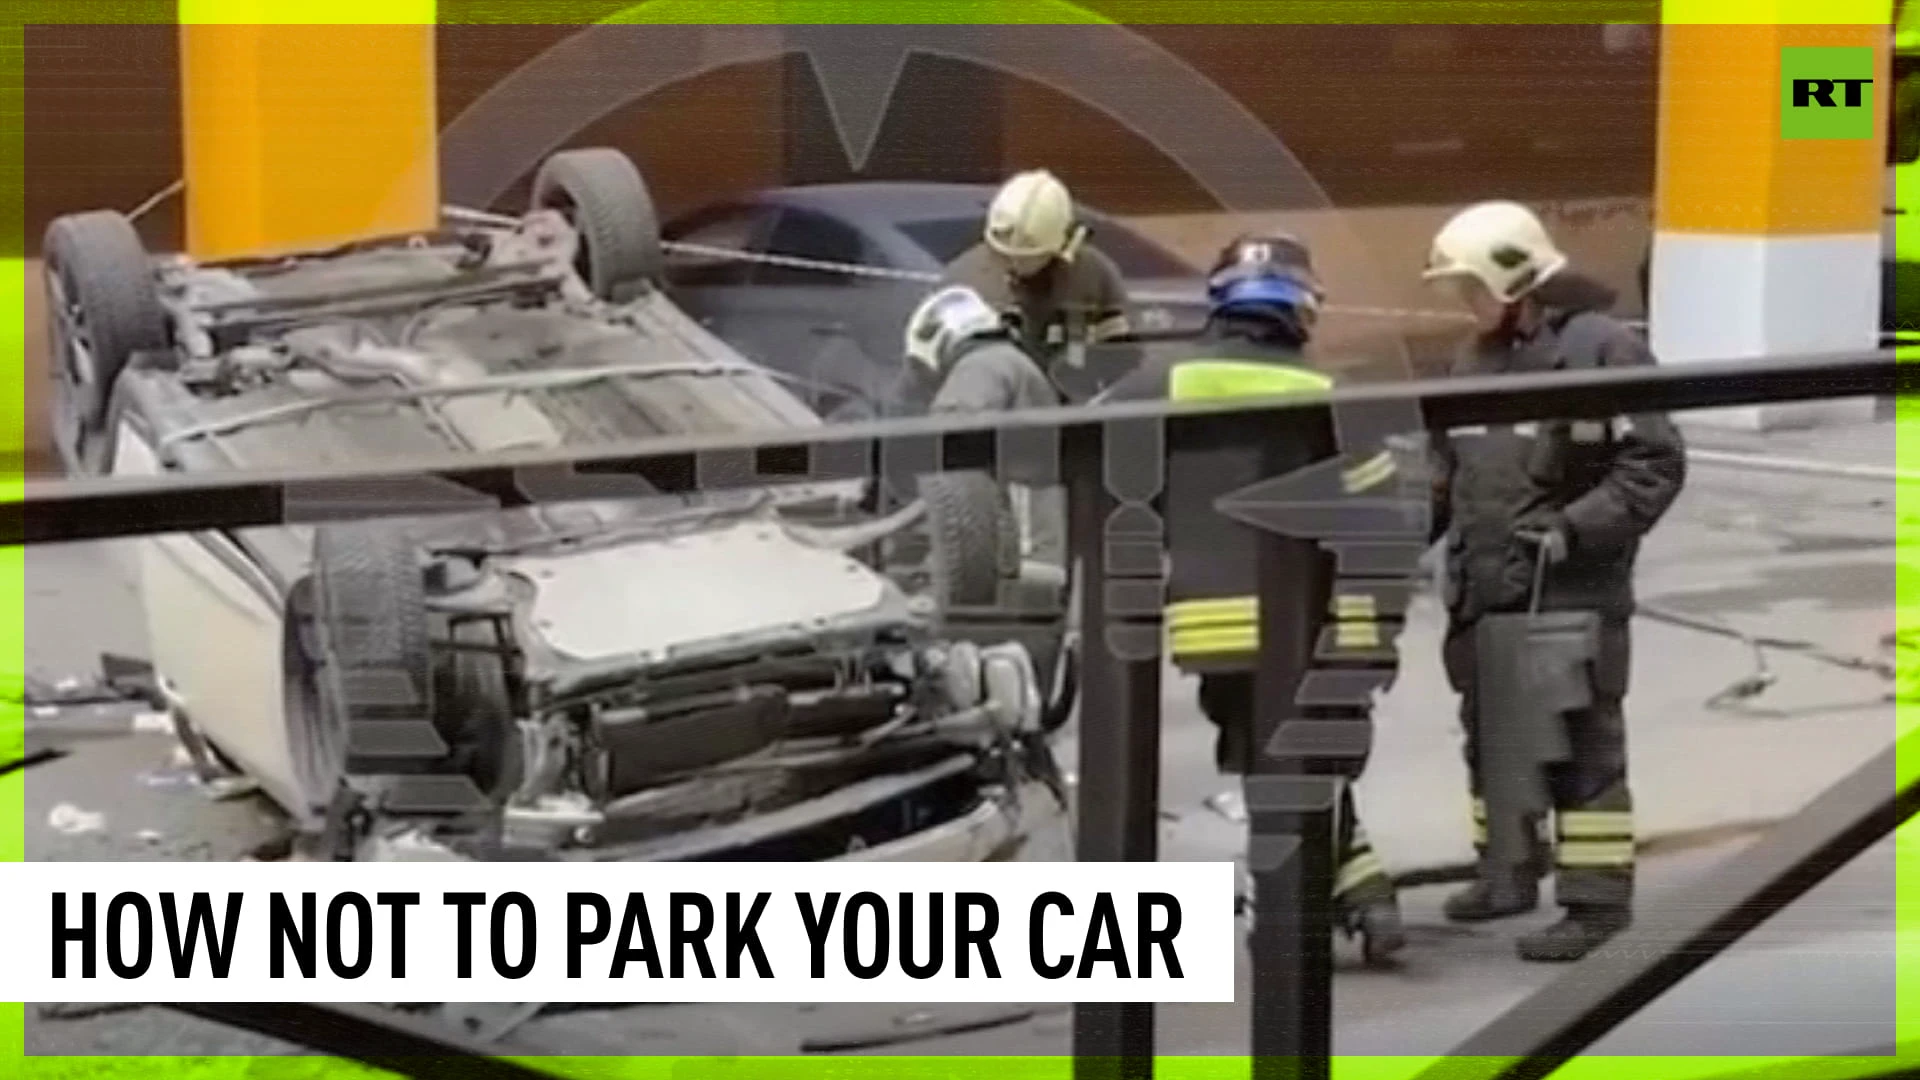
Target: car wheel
x: 377, y: 679
x: 601, y: 193
x: 102, y: 308
x: 973, y: 538
x: 474, y: 707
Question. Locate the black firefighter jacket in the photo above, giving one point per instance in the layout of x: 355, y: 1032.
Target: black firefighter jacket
x: 1604, y: 484
x: 1212, y: 617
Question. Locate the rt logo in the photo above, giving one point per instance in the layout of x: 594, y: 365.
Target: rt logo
x: 1826, y: 93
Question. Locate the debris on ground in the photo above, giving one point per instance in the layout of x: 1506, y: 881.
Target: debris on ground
x: 225, y: 788
x: 922, y: 1024
x: 166, y: 779
x: 490, y: 1021
x: 73, y: 821
x: 149, y: 836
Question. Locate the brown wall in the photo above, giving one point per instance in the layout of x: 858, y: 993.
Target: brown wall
x: 1384, y: 115
x: 1395, y: 124
x: 1380, y: 116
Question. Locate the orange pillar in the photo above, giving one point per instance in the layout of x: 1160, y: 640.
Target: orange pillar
x: 302, y: 135
x: 1768, y: 212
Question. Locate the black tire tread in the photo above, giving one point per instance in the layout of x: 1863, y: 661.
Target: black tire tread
x: 973, y: 539
x: 368, y: 571
x: 105, y: 268
x: 613, y: 213
x: 370, y: 600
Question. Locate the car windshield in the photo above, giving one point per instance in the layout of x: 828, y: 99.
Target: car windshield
x: 946, y: 238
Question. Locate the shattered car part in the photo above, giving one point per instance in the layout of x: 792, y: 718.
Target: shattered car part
x: 714, y: 675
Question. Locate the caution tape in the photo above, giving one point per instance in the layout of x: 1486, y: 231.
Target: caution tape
x: 875, y: 273
x: 921, y: 277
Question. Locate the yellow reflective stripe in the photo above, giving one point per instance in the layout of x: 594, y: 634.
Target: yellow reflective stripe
x: 1590, y: 853
x: 1193, y: 646
x: 1356, y: 628
x: 1354, y: 606
x: 1220, y: 627
x: 1357, y: 635
x: 1232, y: 607
x: 1357, y: 871
x: 1371, y: 473
x: 1241, y: 614
x: 1595, y: 824
x: 1199, y: 380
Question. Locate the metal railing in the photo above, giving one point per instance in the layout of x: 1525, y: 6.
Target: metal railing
x: 1290, y: 797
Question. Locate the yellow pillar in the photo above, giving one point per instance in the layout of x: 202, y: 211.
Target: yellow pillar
x: 1767, y: 207
x: 302, y: 134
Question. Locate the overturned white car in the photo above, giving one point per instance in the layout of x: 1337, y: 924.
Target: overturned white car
x: 720, y: 676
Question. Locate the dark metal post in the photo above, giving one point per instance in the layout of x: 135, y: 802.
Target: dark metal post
x: 386, y: 1039
x: 1290, y: 811
x: 1119, y: 769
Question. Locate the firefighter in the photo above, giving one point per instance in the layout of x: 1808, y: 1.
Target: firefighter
x: 1264, y: 298
x: 1548, y: 516
x: 1036, y: 262
x: 962, y: 356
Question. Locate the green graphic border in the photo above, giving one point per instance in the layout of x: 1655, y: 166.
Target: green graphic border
x: 13, y: 569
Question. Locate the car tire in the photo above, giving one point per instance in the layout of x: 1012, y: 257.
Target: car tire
x: 601, y: 193
x: 377, y: 678
x: 101, y: 298
x: 973, y: 538
x: 474, y: 708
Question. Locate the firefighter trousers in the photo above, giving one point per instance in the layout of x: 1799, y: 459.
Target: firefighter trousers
x: 1591, y: 838
x: 1360, y: 878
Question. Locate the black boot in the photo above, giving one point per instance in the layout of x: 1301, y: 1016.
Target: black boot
x: 1573, y: 937
x: 1499, y: 897
x: 1380, y: 930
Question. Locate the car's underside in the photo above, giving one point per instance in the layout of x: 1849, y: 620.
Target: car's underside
x: 750, y: 672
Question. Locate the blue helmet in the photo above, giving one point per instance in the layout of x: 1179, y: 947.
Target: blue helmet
x: 1265, y: 278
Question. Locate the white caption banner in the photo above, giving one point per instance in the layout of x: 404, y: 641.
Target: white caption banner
x: 607, y: 932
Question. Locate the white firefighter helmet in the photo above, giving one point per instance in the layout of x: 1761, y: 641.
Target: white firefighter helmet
x: 1501, y: 244
x: 944, y: 320
x: 1031, y: 217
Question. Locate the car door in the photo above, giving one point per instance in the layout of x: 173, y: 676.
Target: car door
x: 710, y: 286
x: 809, y: 317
